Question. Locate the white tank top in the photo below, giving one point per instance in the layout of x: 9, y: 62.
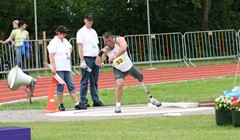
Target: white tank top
x: 123, y: 62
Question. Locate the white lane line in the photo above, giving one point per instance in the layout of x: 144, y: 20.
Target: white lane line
x: 126, y: 111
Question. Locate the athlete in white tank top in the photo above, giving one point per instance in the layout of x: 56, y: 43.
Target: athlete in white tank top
x: 123, y: 62
x: 116, y: 50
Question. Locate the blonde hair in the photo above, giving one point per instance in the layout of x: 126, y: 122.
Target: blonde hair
x: 15, y: 24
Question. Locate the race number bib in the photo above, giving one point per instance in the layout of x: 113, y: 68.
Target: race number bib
x: 119, y: 61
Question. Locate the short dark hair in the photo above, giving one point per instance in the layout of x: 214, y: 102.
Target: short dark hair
x: 107, y: 34
x: 61, y: 29
x: 21, y: 23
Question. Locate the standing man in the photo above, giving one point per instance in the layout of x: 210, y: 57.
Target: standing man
x: 116, y: 50
x: 87, y: 40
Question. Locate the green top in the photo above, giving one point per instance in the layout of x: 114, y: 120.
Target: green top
x: 20, y: 36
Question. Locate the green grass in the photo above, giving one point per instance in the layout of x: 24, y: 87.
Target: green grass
x: 151, y: 128
x: 201, y: 127
x: 187, y: 91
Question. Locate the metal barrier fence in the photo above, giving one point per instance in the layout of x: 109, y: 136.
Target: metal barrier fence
x: 165, y: 47
x: 38, y: 55
x: 211, y: 44
x: 238, y: 35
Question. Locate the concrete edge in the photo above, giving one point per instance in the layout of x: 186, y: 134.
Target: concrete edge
x: 177, y: 104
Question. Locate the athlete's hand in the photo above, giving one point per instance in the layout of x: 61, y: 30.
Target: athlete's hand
x: 110, y: 59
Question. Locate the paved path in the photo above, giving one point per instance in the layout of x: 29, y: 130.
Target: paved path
x: 97, y: 113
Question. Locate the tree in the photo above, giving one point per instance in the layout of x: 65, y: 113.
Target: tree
x: 120, y: 17
x: 206, y: 11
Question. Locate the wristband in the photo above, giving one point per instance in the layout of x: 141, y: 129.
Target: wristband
x: 100, y: 53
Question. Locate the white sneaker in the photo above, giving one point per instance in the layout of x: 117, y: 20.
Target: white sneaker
x: 118, y: 109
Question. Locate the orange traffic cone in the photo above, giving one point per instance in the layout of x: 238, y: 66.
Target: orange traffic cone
x: 51, y: 105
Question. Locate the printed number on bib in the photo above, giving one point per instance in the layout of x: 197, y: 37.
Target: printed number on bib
x: 119, y: 61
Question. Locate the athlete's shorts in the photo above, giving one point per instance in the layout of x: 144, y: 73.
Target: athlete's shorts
x: 133, y: 71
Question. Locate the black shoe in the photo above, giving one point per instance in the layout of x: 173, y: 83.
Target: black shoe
x: 61, y: 107
x: 88, y: 105
x: 98, y: 104
x: 80, y: 106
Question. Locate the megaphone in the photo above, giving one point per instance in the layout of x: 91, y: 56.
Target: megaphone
x: 17, y: 78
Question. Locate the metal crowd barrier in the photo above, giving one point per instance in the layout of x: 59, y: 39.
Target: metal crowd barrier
x: 38, y: 55
x: 238, y: 36
x: 215, y: 44
x: 164, y: 47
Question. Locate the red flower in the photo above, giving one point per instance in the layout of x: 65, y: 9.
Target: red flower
x: 235, y: 103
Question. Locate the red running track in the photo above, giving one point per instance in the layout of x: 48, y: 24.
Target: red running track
x: 106, y: 80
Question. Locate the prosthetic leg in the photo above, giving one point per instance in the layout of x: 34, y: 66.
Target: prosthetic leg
x: 153, y: 100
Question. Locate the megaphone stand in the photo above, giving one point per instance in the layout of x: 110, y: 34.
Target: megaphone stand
x: 29, y: 90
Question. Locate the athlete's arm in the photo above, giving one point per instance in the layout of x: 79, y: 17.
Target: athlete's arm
x: 101, y: 56
x: 123, y: 46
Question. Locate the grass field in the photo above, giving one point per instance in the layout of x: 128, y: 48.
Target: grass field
x: 202, y: 127
x: 188, y: 91
x: 162, y: 128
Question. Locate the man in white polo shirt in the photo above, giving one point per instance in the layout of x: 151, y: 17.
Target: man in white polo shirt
x: 87, y: 40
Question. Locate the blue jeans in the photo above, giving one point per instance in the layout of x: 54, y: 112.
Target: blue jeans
x: 20, y: 59
x: 68, y: 78
x: 93, y: 76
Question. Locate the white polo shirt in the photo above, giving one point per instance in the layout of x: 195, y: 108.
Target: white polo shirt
x: 62, y: 54
x: 89, y: 39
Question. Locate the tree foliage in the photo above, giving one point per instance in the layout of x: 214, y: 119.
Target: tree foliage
x: 120, y: 17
